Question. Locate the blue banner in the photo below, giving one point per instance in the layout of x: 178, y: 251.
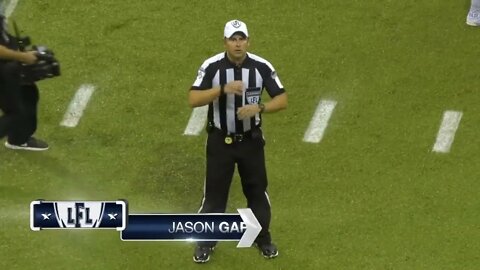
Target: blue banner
x: 193, y: 227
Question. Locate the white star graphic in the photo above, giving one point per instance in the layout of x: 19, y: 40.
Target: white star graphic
x: 46, y: 216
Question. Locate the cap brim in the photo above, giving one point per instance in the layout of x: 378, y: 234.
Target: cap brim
x: 238, y: 33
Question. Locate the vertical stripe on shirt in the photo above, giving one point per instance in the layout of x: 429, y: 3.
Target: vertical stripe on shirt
x: 239, y: 76
x: 259, y: 83
x: 230, y: 106
x: 216, y: 112
x: 252, y: 83
x: 245, y: 75
x: 222, y: 101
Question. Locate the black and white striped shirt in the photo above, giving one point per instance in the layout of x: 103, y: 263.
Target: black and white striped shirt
x: 255, y: 72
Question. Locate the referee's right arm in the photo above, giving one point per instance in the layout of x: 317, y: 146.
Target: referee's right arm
x: 202, y: 91
x: 197, y: 97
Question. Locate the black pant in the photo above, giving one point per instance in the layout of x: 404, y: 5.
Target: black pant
x: 250, y: 159
x: 18, y: 103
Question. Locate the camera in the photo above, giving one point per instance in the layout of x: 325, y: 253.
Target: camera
x: 46, y: 66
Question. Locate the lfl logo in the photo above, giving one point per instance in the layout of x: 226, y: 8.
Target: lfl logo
x: 236, y: 24
x: 77, y: 214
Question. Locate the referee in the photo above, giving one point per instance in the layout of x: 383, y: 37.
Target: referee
x: 231, y: 83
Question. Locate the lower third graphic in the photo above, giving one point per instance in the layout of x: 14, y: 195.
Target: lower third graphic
x: 243, y: 227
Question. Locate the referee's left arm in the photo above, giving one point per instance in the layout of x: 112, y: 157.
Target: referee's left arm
x: 277, y: 103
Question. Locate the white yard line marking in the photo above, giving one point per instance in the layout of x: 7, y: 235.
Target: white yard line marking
x: 319, y: 122
x: 197, y: 121
x: 446, y: 133
x: 77, y: 105
x: 12, y: 4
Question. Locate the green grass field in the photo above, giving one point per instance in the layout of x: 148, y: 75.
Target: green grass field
x: 370, y: 195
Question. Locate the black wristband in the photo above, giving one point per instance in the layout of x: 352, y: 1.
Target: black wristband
x: 222, y: 89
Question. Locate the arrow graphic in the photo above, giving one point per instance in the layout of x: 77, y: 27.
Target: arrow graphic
x: 253, y: 228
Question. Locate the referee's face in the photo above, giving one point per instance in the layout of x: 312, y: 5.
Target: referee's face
x: 236, y: 46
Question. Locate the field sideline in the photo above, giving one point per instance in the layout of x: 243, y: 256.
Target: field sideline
x: 372, y: 193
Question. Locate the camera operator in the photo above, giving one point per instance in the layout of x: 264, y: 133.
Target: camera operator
x: 18, y: 100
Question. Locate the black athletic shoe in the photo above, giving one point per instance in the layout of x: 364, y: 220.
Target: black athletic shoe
x: 202, y: 254
x: 32, y: 145
x: 268, y: 251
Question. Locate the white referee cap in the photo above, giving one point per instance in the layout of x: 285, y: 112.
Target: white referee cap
x: 234, y: 26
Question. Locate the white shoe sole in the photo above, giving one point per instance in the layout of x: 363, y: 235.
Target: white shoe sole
x: 271, y: 256
x: 16, y: 147
x: 472, y: 23
x: 473, y: 17
x: 203, y: 261
x: 200, y: 261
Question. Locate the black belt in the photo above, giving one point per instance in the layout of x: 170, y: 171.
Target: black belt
x: 233, y: 137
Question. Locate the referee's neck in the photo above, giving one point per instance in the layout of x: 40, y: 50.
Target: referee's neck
x: 236, y: 61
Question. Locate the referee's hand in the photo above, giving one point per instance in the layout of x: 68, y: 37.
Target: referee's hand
x: 247, y: 111
x: 234, y: 87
